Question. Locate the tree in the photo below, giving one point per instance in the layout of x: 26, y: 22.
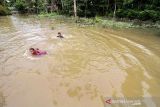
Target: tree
x: 115, y: 8
x: 131, y: 9
x: 75, y: 8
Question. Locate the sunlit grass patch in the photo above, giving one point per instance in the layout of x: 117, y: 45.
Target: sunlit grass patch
x: 47, y: 14
x: 117, y: 24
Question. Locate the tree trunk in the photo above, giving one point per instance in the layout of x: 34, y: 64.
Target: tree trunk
x: 36, y: 5
x: 85, y: 8
x: 52, y: 5
x: 115, y: 8
x: 108, y: 4
x: 62, y: 4
x: 46, y: 6
x: 75, y: 8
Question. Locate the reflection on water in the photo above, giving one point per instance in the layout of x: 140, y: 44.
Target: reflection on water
x: 80, y: 70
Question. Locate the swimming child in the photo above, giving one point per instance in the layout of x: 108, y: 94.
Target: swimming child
x: 37, y: 52
x: 60, y: 35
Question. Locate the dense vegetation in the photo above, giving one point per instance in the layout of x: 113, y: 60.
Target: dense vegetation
x: 130, y: 9
x: 4, y: 10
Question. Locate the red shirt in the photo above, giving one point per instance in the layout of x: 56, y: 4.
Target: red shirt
x: 34, y: 53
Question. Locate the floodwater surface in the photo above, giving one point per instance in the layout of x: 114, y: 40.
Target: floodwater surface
x: 81, y: 70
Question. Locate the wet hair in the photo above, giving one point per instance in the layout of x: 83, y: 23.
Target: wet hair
x: 32, y: 49
x: 60, y: 35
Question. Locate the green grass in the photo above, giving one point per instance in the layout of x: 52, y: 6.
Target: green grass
x: 101, y: 21
x: 47, y: 14
x: 113, y: 23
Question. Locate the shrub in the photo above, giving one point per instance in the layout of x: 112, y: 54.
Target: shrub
x: 141, y: 15
x: 153, y: 15
x: 149, y: 15
x: 98, y: 19
x: 4, y: 11
x: 121, y: 13
x: 132, y: 14
x: 21, y: 6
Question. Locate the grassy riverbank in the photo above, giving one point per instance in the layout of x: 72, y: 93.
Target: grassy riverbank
x: 105, y: 22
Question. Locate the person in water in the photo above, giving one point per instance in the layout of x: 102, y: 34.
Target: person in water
x: 37, y: 51
x: 60, y: 35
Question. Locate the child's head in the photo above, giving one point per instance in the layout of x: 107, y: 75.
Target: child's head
x: 31, y: 49
x: 59, y: 33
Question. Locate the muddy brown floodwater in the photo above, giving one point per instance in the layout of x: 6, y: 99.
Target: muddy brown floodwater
x: 81, y: 70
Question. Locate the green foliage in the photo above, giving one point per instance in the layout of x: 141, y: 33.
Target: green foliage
x: 21, y: 6
x: 98, y: 19
x: 4, y: 11
x: 141, y: 15
x: 67, y: 7
x: 149, y: 15
x: 130, y: 14
x: 47, y: 15
x: 40, y: 5
x: 115, y: 24
x: 121, y: 13
x: 130, y: 9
